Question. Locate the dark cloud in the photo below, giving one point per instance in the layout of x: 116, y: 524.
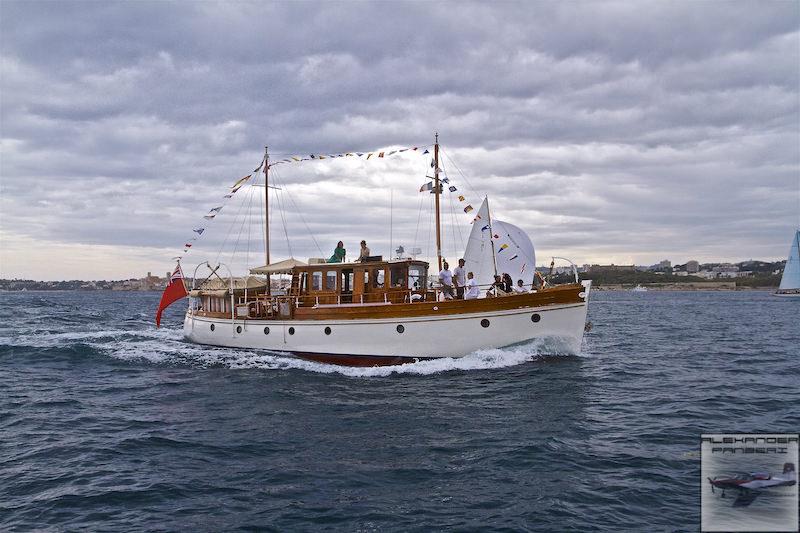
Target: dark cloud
x: 610, y: 131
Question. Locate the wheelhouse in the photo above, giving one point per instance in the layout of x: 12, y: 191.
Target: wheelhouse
x: 399, y: 281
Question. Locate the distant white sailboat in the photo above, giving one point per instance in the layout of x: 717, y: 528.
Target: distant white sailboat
x: 639, y: 288
x: 790, y: 282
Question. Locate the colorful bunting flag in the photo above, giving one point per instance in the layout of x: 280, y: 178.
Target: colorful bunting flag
x: 485, y: 227
x: 453, y: 188
x: 427, y: 187
x: 513, y: 257
x: 503, y: 247
x: 380, y: 154
x: 468, y: 209
x: 199, y: 231
x: 236, y: 186
x: 460, y: 198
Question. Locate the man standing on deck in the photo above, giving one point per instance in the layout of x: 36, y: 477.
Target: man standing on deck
x: 459, y: 279
x: 446, y: 280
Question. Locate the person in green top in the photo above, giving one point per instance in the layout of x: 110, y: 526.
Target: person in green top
x: 338, y: 254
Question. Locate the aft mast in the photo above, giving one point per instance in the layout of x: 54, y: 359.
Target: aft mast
x: 266, y: 212
x: 437, y: 191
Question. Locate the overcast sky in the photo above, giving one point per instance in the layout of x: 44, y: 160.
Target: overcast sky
x: 611, y: 132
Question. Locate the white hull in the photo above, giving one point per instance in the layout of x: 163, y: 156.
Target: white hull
x: 422, y: 337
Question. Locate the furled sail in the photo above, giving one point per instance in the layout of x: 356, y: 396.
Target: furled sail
x: 791, y: 272
x: 513, y: 250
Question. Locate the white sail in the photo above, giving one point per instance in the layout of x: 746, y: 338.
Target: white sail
x: 513, y: 250
x: 791, y: 272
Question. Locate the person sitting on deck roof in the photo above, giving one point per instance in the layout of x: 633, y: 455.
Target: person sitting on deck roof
x: 364, y: 252
x: 338, y: 254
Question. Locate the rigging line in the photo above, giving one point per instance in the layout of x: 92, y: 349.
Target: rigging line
x: 453, y: 217
x: 452, y: 224
x: 428, y: 243
x: 241, y: 226
x: 282, y: 211
x: 471, y: 188
x: 230, y: 228
x: 300, y: 214
x: 261, y: 218
x: 419, y: 216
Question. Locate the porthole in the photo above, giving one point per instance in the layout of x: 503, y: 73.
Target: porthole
x: 291, y: 331
x: 238, y: 329
x: 266, y: 330
x: 535, y: 317
x: 400, y: 328
x: 485, y: 323
x: 327, y: 331
x: 212, y: 327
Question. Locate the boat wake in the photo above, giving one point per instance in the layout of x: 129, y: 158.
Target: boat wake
x: 167, y: 347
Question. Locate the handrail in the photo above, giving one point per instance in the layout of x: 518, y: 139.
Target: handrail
x: 574, y: 268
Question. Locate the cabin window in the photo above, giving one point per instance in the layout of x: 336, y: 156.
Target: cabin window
x: 416, y: 278
x: 378, y: 279
x: 397, y: 274
x: 330, y: 280
x: 316, y: 281
x: 366, y: 278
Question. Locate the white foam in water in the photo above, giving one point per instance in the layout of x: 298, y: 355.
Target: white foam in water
x: 166, y: 346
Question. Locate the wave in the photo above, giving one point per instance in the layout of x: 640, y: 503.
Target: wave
x: 167, y: 347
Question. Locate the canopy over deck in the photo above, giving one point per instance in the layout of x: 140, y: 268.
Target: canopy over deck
x: 281, y: 267
x: 221, y: 287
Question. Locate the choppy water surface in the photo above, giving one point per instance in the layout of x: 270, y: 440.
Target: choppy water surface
x: 109, y: 424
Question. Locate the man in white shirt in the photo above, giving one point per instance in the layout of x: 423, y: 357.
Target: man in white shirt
x: 446, y: 280
x: 459, y: 279
x: 472, y: 288
x: 520, y: 287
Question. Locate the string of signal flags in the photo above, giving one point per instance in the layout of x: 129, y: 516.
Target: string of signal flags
x: 365, y: 155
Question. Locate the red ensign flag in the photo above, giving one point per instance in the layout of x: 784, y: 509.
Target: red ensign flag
x: 175, y: 291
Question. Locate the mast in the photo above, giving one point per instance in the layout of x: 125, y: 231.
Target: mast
x: 266, y: 213
x: 436, y: 191
x: 491, y: 235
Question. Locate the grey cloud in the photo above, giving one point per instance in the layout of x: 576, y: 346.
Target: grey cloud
x: 606, y: 129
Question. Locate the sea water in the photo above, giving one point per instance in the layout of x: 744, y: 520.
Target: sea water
x: 107, y: 423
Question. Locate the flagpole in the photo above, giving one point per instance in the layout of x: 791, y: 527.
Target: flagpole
x: 436, y: 192
x: 491, y: 235
x: 266, y: 213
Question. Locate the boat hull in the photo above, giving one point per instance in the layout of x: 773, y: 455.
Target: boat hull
x: 396, y: 340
